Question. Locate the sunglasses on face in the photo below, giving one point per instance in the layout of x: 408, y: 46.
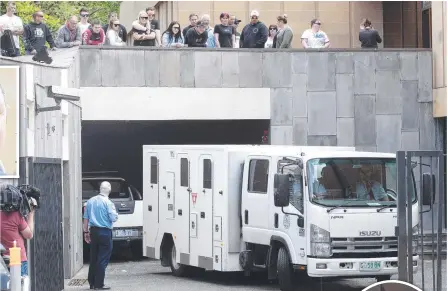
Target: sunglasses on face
x: 143, y: 17
x: 116, y: 25
x: 84, y: 15
x: 176, y: 27
x: 254, y: 17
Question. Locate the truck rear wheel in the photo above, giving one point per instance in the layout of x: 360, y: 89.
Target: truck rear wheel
x: 177, y: 269
x: 285, y: 272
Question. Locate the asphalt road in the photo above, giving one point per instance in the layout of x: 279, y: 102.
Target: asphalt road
x: 145, y: 275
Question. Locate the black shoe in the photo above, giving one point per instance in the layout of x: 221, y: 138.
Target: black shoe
x: 91, y: 287
x: 102, y: 288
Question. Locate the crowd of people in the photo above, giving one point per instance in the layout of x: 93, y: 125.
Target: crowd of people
x: 145, y: 31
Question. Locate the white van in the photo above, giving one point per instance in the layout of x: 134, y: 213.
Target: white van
x: 128, y: 230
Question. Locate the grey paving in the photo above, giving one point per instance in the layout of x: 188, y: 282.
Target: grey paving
x: 149, y: 275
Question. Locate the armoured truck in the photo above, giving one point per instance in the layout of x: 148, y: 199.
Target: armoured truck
x: 319, y: 211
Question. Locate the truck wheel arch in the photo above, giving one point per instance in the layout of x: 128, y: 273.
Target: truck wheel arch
x: 276, y: 243
x: 165, y: 247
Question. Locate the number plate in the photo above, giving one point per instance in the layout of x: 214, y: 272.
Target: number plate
x: 125, y: 232
x: 370, y: 266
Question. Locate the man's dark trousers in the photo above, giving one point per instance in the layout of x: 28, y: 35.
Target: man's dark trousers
x: 100, y: 252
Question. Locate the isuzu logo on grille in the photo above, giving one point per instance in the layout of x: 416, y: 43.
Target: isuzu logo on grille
x: 370, y: 233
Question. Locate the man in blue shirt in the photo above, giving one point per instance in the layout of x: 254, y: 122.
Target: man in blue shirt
x: 99, y: 216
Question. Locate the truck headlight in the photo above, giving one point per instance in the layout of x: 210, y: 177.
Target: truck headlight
x: 415, y: 232
x: 320, y: 242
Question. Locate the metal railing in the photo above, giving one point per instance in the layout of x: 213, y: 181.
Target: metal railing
x: 421, y: 172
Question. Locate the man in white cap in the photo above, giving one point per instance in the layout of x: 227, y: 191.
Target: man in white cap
x: 254, y: 34
x: 99, y: 216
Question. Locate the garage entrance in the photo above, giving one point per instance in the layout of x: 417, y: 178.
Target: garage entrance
x: 117, y: 145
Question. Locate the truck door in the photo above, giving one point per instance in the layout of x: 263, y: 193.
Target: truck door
x: 287, y: 225
x: 151, y: 200
x: 201, y: 207
x: 257, y: 194
x: 182, y: 207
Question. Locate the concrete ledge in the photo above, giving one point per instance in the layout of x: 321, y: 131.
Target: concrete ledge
x: 255, y: 50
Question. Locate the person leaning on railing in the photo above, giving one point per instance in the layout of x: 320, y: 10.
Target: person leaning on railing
x: 172, y: 37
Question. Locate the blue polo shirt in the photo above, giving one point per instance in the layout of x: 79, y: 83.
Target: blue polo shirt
x: 100, y: 212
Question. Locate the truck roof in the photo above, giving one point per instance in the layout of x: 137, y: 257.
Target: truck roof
x: 315, y: 151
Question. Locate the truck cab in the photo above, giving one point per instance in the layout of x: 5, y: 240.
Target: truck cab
x: 327, y: 214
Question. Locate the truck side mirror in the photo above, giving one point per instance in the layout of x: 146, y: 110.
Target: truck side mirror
x: 281, y: 195
x: 429, y: 193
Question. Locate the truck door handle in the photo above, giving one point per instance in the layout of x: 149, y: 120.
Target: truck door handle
x: 202, y: 214
x: 276, y: 220
x: 164, y: 187
x: 189, y: 189
x: 152, y: 186
x: 149, y: 207
x: 179, y: 212
x: 203, y: 191
x: 246, y: 216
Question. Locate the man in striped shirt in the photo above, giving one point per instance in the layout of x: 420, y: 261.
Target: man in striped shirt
x: 99, y: 216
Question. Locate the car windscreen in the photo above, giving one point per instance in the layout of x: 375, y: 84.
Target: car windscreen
x: 120, y: 190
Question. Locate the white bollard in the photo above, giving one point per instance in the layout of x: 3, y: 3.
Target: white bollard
x: 15, y: 267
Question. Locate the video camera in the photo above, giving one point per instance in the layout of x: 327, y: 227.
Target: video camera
x: 23, y: 198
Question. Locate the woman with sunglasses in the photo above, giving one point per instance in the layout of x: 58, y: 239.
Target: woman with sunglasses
x: 113, y: 36
x: 142, y: 35
x: 172, y: 37
x: 271, y: 35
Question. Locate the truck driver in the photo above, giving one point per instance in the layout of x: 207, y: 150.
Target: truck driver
x: 366, y: 187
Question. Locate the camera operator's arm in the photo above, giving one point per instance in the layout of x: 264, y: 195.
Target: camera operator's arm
x: 27, y: 228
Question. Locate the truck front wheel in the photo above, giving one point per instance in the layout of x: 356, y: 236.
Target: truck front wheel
x: 177, y: 269
x: 285, y: 272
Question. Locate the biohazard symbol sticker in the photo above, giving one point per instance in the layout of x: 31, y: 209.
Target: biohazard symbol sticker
x: 194, y: 196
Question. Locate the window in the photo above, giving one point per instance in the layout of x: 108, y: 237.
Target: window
x: 207, y: 175
x: 154, y: 170
x: 120, y: 190
x: 296, y: 183
x: 258, y: 176
x: 184, y: 172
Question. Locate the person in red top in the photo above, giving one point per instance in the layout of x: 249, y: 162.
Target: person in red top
x: 94, y: 35
x: 14, y: 227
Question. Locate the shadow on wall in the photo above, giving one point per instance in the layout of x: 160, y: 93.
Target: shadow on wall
x: 117, y: 145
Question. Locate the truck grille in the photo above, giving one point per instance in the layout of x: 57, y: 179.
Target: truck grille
x: 360, y: 247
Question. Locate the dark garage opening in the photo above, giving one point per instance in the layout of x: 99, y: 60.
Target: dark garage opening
x: 117, y: 145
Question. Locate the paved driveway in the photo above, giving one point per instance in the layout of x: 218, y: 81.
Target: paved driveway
x: 148, y: 275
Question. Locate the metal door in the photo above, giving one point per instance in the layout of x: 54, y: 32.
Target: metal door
x: 423, y: 171
x: 202, y: 209
x: 151, y: 201
x: 182, y: 207
x: 46, y: 264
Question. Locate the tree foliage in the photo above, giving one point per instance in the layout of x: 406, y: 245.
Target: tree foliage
x: 57, y: 12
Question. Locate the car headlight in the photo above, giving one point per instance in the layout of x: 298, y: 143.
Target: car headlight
x: 320, y: 242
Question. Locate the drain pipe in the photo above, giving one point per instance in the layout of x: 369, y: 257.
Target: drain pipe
x: 15, y: 267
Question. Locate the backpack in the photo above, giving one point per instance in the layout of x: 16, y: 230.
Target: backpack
x: 8, y: 47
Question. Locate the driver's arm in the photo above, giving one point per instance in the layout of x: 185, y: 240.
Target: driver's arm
x: 319, y: 191
x: 379, y: 192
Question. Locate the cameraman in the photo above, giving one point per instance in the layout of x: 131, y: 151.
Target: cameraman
x: 15, y: 227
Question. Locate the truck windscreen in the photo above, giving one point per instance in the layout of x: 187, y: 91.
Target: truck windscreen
x: 367, y: 182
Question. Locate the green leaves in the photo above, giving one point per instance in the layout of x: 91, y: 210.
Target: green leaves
x: 57, y: 12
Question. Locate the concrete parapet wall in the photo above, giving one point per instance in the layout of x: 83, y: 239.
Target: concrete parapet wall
x: 374, y: 100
